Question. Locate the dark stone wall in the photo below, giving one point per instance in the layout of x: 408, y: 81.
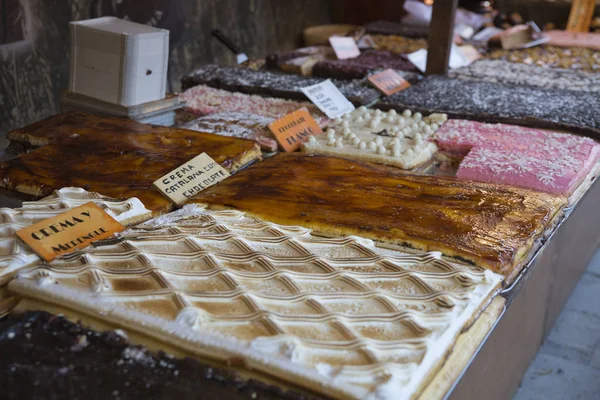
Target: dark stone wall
x: 35, y: 70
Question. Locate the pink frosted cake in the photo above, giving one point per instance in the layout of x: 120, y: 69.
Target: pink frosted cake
x: 514, y: 155
x: 203, y: 100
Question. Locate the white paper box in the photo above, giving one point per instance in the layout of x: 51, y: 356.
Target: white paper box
x: 118, y: 61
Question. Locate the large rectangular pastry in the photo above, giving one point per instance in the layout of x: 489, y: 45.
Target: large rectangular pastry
x: 401, y: 140
x: 111, y: 157
x: 273, y: 84
x: 489, y: 225
x: 16, y: 255
x: 528, y: 75
x: 359, y: 67
x: 205, y: 100
x: 339, y: 316
x: 568, y: 110
x: 576, y: 58
x: 514, y: 155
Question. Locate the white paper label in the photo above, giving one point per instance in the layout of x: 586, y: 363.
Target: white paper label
x: 419, y: 59
x: 189, y: 179
x: 457, y: 58
x: 328, y: 98
x: 344, y: 47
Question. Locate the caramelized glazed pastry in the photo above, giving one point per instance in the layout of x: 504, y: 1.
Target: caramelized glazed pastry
x: 489, y: 225
x: 116, y: 157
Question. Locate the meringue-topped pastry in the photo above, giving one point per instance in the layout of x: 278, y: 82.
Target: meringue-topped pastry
x: 339, y: 316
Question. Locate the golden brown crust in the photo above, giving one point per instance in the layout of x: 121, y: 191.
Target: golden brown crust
x: 116, y: 157
x: 489, y: 225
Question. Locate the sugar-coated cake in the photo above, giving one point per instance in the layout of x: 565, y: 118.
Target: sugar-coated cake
x: 515, y: 155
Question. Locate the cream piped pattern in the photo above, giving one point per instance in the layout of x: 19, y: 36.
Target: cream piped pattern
x: 14, y: 254
x: 342, y: 316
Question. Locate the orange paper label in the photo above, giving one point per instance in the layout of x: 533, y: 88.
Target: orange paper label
x: 294, y: 129
x: 389, y: 82
x: 69, y: 231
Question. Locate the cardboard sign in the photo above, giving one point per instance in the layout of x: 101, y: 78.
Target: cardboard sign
x: 581, y: 15
x: 328, y: 98
x: 344, y: 47
x: 186, y: 181
x: 294, y: 129
x: 522, y: 37
x: 389, y: 82
x: 69, y: 231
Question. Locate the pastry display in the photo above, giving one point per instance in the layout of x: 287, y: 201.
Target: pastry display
x: 341, y: 316
x: 399, y: 44
x: 401, y: 140
x: 577, y: 58
x: 299, y: 61
x: 203, y: 100
x: 65, y: 359
x: 514, y: 155
x: 359, y: 67
x: 494, y: 226
x: 412, y: 30
x: 274, y: 84
x: 117, y: 161
x: 15, y: 255
x: 239, y: 125
x: 496, y: 102
x: 528, y: 75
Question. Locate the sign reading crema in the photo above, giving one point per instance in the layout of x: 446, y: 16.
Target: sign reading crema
x: 69, y: 231
x: 186, y: 181
x: 294, y: 128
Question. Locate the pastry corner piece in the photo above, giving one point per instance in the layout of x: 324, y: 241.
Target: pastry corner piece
x: 117, y: 157
x: 342, y: 317
x: 15, y: 255
x: 489, y: 225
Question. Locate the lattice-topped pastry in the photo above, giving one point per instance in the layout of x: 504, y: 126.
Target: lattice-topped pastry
x: 489, y: 225
x: 339, y: 316
x: 14, y: 254
x: 401, y: 140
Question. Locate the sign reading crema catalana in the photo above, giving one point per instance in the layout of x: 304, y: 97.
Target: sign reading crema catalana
x: 69, y: 231
x: 189, y: 179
